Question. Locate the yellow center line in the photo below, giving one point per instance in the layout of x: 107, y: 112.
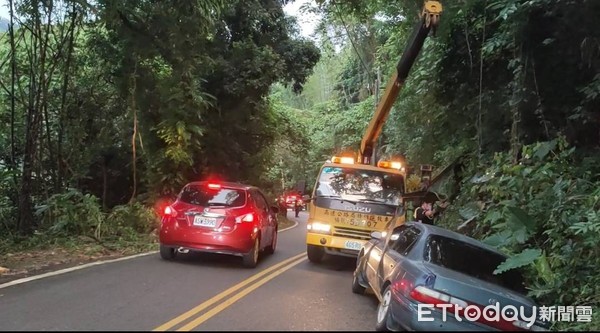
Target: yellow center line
x: 196, y: 322
x: 168, y: 325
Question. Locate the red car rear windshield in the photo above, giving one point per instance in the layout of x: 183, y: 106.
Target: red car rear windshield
x: 202, y: 195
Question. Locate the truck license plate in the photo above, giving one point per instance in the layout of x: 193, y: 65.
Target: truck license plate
x: 353, y: 245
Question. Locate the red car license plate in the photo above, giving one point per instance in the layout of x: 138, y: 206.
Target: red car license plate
x: 202, y: 221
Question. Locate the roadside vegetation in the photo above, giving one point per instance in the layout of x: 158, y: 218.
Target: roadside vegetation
x: 507, y: 93
x: 107, y: 112
x: 109, y: 108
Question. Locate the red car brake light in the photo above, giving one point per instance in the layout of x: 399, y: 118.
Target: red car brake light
x: 245, y: 218
x: 214, y: 186
x: 170, y: 212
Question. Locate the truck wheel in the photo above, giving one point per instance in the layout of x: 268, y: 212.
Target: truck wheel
x: 315, y: 253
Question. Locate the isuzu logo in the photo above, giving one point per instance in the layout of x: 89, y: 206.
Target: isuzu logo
x: 357, y: 209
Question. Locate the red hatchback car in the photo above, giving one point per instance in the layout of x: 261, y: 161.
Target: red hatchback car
x: 226, y: 218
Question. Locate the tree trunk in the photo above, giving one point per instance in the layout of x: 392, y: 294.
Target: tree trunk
x: 104, y: 182
x: 282, y: 175
x: 13, y: 69
x: 480, y: 109
x: 133, y: 141
x: 63, y: 102
x: 519, y: 86
x: 37, y: 94
x: 25, y: 223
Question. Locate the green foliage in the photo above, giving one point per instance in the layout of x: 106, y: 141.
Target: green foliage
x: 527, y: 257
x: 543, y: 211
x: 498, y: 86
x: 138, y: 217
x: 286, y: 160
x: 75, y: 214
x: 70, y: 213
x: 229, y: 88
x: 191, y: 79
x: 8, y: 210
x: 7, y: 213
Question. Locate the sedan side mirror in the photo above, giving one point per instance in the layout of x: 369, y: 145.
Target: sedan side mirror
x: 275, y: 209
x: 376, y: 235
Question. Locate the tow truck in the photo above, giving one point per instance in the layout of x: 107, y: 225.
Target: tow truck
x: 354, y: 194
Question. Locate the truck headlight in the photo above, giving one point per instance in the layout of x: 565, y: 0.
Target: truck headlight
x: 319, y: 227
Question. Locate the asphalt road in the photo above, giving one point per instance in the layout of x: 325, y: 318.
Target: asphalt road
x: 196, y: 292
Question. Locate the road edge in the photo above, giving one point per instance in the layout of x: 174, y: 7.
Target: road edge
x: 101, y: 262
x: 290, y: 227
x: 71, y: 269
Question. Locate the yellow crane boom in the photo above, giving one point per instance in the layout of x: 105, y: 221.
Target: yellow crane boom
x: 428, y: 21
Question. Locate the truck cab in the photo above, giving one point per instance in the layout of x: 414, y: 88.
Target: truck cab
x: 349, y: 202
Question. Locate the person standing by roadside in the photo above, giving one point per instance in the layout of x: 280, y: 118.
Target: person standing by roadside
x: 297, y: 206
x: 426, y: 214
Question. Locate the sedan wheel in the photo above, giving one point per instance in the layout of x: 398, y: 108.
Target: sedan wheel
x: 383, y: 311
x: 271, y: 248
x: 167, y: 253
x: 251, y: 259
x: 356, y: 287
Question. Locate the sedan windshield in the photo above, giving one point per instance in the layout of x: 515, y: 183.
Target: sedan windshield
x: 360, y: 185
x: 471, y: 260
x: 204, y: 196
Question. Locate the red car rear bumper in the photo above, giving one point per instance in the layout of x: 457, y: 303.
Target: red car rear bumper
x: 238, y: 241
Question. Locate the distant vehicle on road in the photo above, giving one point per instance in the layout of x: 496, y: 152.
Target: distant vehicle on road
x: 422, y: 264
x: 292, y: 197
x: 227, y: 218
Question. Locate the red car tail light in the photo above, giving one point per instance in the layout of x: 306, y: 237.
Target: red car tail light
x: 245, y: 218
x: 214, y: 186
x: 170, y: 212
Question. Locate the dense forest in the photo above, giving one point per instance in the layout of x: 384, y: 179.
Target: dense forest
x: 108, y: 108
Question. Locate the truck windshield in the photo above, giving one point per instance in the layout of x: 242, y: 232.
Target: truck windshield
x: 360, y: 185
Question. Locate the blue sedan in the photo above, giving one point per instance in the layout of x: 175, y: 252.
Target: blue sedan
x: 430, y: 278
